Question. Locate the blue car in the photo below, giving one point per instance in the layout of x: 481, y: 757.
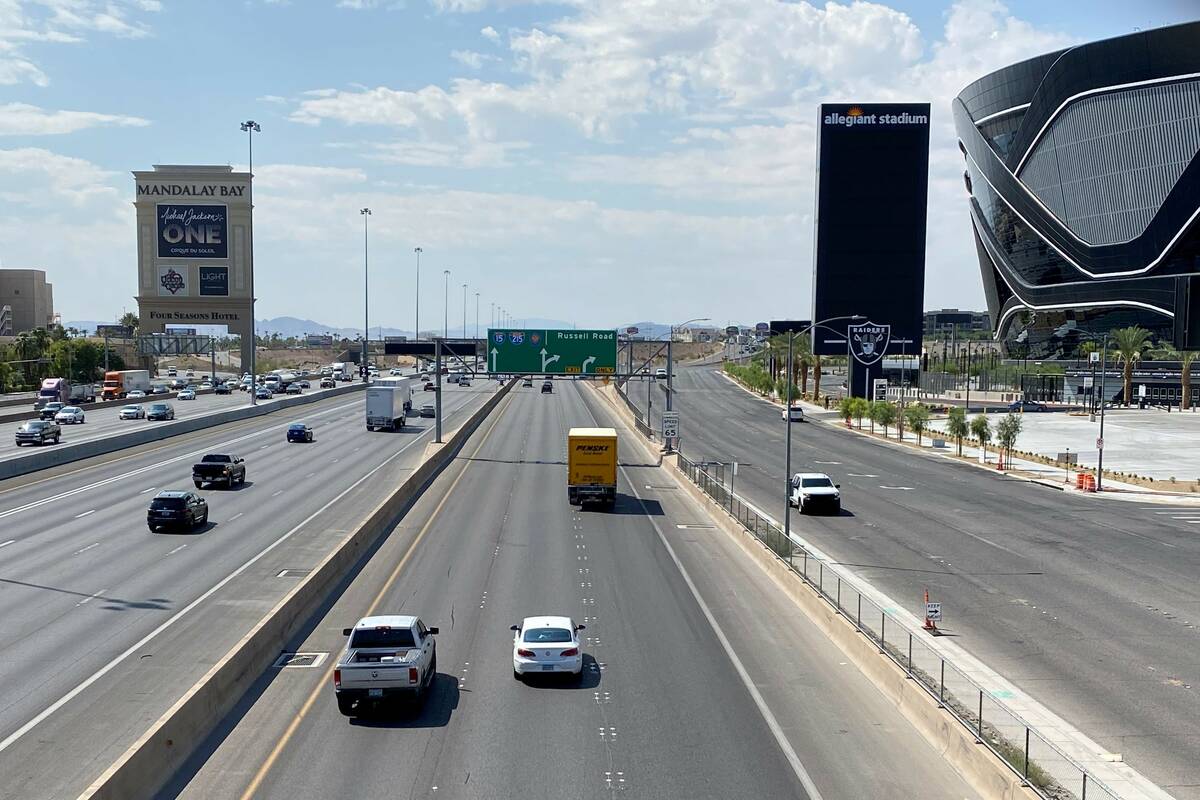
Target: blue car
x: 299, y: 432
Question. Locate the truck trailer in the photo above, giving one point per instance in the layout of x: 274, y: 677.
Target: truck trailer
x: 592, y: 466
x: 119, y: 383
x: 388, y: 405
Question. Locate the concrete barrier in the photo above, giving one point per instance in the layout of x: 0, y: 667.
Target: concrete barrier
x: 47, y: 456
x: 151, y: 761
x: 974, y: 761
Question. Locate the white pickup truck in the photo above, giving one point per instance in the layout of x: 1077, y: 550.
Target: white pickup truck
x: 386, y: 657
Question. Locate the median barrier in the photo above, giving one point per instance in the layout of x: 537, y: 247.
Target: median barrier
x: 151, y: 761
x: 47, y: 456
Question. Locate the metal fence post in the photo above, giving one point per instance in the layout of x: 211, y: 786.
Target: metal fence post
x: 1026, y: 771
x: 1084, y: 795
x: 981, y: 715
x: 858, y: 622
x: 821, y: 577
x: 942, y: 686
x: 910, y: 655
x: 806, y: 563
x: 882, y: 629
x: 839, y: 594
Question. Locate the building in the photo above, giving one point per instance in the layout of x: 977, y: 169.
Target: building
x: 6, y: 325
x: 951, y: 322
x: 1084, y: 183
x: 29, y: 298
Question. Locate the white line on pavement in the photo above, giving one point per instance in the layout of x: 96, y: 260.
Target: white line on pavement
x: 277, y: 493
x: 151, y: 489
x: 90, y: 598
x: 6, y: 544
x: 177, y: 549
x: 85, y: 549
x: 84, y: 514
x: 86, y: 683
x: 235, y: 516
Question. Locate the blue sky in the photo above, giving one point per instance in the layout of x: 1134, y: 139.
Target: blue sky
x: 600, y: 162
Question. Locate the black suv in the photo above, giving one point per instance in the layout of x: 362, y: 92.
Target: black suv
x: 547, y: 387
x: 38, y: 431
x: 178, y: 508
x: 160, y: 411
x: 50, y: 409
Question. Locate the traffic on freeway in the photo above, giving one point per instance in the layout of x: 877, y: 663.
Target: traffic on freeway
x: 696, y: 677
x: 144, y: 611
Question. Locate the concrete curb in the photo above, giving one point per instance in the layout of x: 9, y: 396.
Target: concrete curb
x: 973, y: 761
x: 156, y: 756
x: 44, y: 457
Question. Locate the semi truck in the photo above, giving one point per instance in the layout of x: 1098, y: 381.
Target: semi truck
x: 119, y: 383
x: 388, y: 404
x: 60, y: 390
x: 592, y: 466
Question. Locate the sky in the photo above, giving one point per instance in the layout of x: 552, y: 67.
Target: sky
x: 596, y: 161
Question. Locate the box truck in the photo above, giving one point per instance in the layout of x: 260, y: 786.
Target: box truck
x: 119, y: 383
x: 592, y: 466
x: 387, y: 406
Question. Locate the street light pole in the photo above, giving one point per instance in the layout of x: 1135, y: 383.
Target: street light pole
x: 1103, y: 398
x: 417, y: 294
x: 366, y: 213
x: 477, y: 315
x: 446, y: 307
x: 787, y: 450
x: 464, y: 328
x: 251, y: 127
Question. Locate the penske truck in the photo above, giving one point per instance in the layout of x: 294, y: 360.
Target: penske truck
x: 592, y: 466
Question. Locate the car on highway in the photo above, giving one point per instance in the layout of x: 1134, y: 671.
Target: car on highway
x: 219, y: 468
x: 136, y: 394
x: 191, y: 373
x: 206, y: 385
x: 464, y: 381
x: 186, y: 394
x: 299, y: 432
x: 328, y: 383
x: 176, y: 508
x: 263, y: 393
x: 304, y: 384
x: 222, y: 388
x: 179, y: 383
x: 293, y: 388
x: 132, y: 412
x: 395, y: 371
x: 386, y: 657
x: 797, y: 414
x: 660, y: 373
x: 527, y: 383
x: 1022, y: 406
x: 429, y: 386
x: 547, y: 645
x: 37, y: 431
x: 162, y: 411
x: 158, y: 388
x: 815, y: 491
x: 49, y: 410
x: 547, y: 387
x: 69, y: 415
x: 453, y: 377
x: 172, y: 372
x: 428, y: 410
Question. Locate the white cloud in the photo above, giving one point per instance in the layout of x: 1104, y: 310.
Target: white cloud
x: 21, y: 119
x: 303, y: 176
x: 489, y: 33
x: 469, y: 58
x: 358, y: 5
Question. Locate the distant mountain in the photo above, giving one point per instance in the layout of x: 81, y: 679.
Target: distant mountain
x: 648, y: 330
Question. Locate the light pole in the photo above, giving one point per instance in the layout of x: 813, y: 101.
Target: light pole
x: 477, y: 315
x: 446, y: 307
x: 250, y: 127
x: 1103, y: 397
x: 492, y: 324
x: 464, y: 328
x: 787, y: 448
x: 417, y: 294
x: 365, y: 212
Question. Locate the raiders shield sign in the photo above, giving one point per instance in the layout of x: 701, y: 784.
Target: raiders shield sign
x: 869, y: 341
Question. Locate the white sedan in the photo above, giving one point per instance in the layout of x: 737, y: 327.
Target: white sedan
x: 70, y: 415
x: 186, y: 394
x: 548, y: 645
x: 132, y: 412
x: 136, y: 394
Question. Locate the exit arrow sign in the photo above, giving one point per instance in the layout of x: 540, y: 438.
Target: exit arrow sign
x: 552, y: 352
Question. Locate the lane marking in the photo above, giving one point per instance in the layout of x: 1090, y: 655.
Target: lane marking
x: 90, y: 598
x: 235, y: 516
x: 6, y: 544
x: 85, y: 549
x: 87, y: 683
x: 900, y: 488
x: 858, y: 475
x: 177, y: 549
x: 84, y: 514
x: 277, y: 493
x: 319, y: 688
x: 151, y: 489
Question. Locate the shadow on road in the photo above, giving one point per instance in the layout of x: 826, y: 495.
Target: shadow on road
x: 435, y: 712
x: 589, y: 678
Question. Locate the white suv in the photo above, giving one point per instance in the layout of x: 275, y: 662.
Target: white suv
x: 797, y: 414
x: 815, y: 491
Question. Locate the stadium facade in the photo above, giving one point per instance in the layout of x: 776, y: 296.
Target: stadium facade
x: 1084, y: 179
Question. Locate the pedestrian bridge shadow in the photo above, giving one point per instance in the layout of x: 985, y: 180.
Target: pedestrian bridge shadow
x: 109, y: 603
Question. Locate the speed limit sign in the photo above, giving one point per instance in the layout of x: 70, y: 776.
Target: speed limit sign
x: 1099, y: 444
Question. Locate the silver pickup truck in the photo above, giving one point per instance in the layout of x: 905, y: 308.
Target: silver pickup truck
x: 386, y: 657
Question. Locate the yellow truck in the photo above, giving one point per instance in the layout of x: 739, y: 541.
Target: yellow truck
x: 592, y: 466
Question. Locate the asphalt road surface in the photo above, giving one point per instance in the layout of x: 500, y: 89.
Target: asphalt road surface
x: 661, y: 710
x: 1091, y: 606
x: 106, y: 624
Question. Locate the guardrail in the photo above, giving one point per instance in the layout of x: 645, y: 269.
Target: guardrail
x: 1042, y: 766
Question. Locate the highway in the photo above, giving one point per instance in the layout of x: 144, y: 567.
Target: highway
x: 106, y: 624
x: 1091, y: 606
x: 663, y: 710
x: 102, y: 421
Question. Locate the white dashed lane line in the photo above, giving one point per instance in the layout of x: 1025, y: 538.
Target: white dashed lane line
x: 85, y: 549
x: 6, y: 544
x: 90, y: 598
x: 84, y: 514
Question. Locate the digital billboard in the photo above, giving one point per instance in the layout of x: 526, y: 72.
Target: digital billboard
x: 214, y: 281
x: 192, y: 231
x: 869, y: 248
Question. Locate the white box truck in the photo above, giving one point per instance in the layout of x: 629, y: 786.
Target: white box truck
x: 388, y: 405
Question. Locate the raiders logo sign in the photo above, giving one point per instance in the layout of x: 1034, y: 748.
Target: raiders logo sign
x: 868, y: 342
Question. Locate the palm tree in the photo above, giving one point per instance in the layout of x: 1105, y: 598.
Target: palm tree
x: 1130, y: 343
x: 1185, y: 359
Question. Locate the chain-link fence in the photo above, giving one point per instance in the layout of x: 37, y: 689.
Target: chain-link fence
x: 1040, y: 764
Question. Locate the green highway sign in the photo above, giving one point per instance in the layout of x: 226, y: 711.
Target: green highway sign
x: 554, y: 352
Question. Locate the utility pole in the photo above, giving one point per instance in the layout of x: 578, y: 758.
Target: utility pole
x: 446, y: 307
x: 477, y: 315
x: 417, y: 294
x: 464, y: 328
x: 366, y: 213
x: 1103, y: 398
x: 251, y: 127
